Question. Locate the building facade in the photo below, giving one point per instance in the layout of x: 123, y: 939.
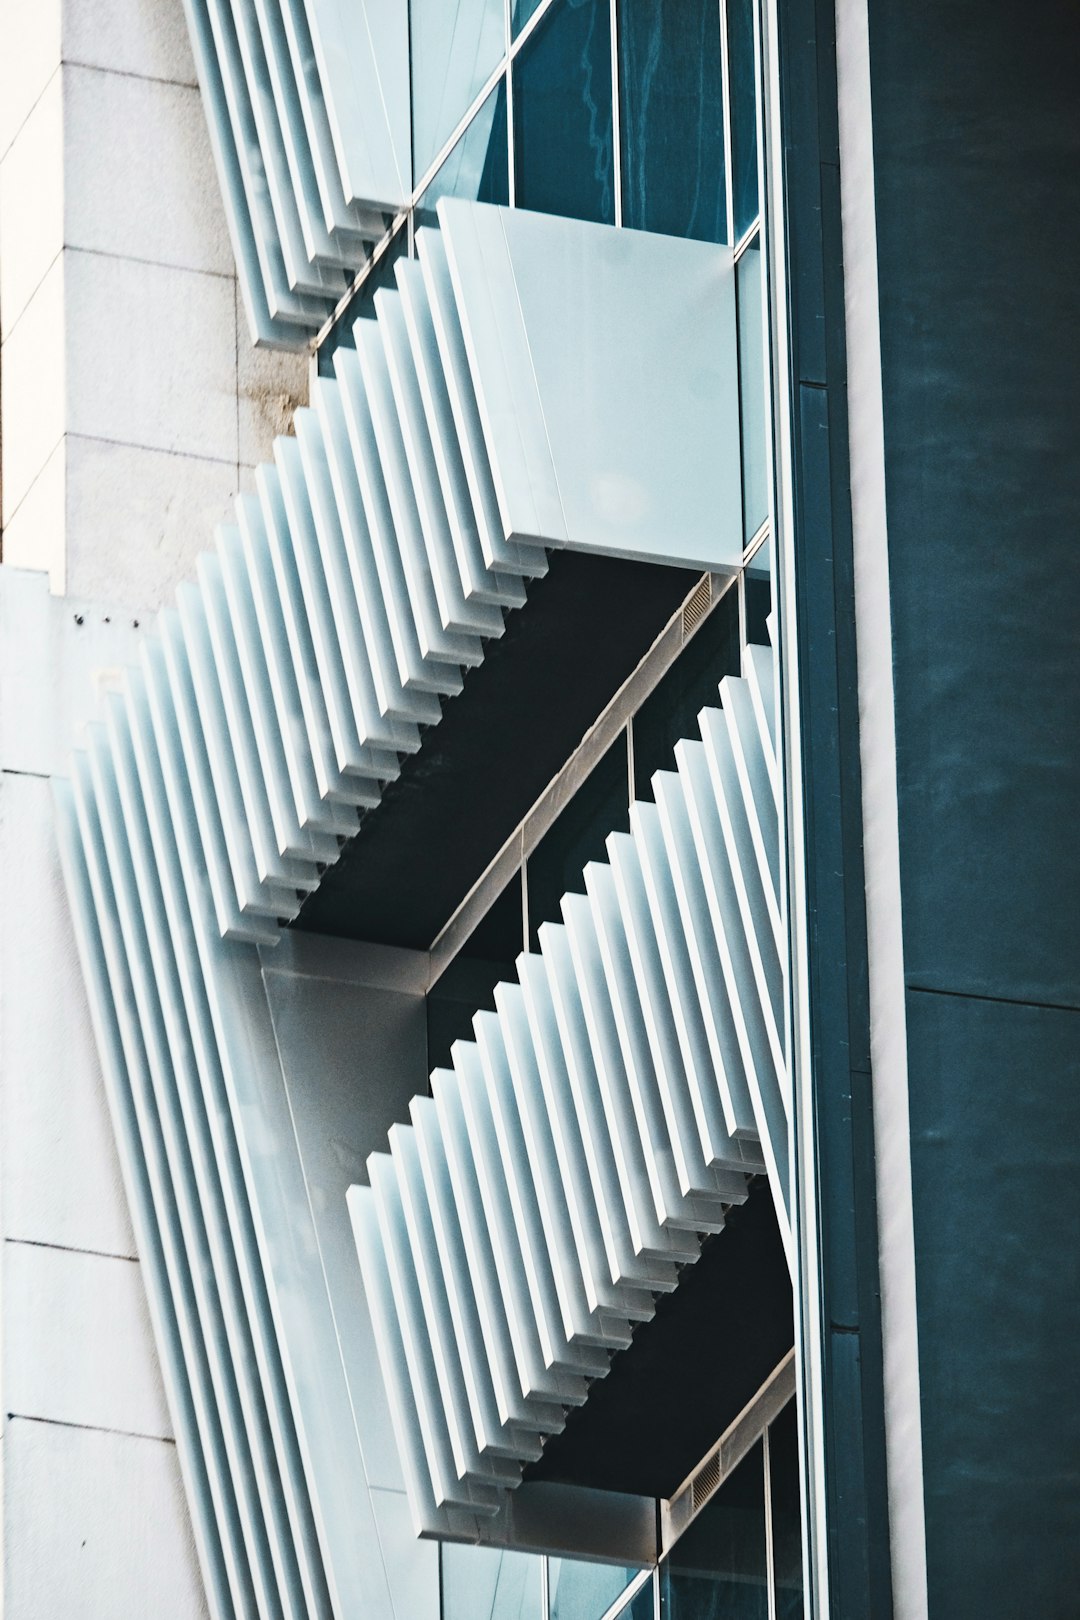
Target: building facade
x: 538, y: 1067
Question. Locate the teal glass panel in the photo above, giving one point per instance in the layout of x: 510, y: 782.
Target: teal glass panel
x: 671, y: 115
x: 742, y: 69
x: 758, y: 606
x: 751, y: 322
x: 786, y: 1514
x: 582, y: 1591
x: 453, y: 50
x: 718, y: 1569
x: 488, y: 1582
x: 521, y: 12
x: 562, y: 114
x: 478, y: 167
x: 600, y: 806
x: 691, y: 684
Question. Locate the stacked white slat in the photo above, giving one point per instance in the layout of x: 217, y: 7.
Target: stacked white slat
x: 323, y: 633
x: 605, y: 1116
x: 132, y: 860
x: 298, y: 235
x: 270, y: 706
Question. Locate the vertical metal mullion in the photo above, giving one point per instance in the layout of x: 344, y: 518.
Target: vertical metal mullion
x: 616, y: 114
x: 729, y: 151
x: 511, y: 180
x: 524, y: 894
x: 630, y: 759
x: 770, y: 1561
x: 545, y: 1588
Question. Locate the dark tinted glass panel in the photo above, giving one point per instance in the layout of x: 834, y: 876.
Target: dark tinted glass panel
x: 787, y: 1514
x: 743, y: 72
x: 671, y: 112
x: 521, y: 11
x: 689, y: 685
x: 600, y: 806
x: 717, y: 1570
x: 755, y: 466
x: 478, y: 167
x: 562, y: 114
x: 758, y: 607
x: 468, y: 985
x: 452, y: 51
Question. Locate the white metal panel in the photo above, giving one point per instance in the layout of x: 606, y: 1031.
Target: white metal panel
x: 606, y: 374
x: 603, y: 1259
x: 456, y: 611
x: 167, y: 1309
x: 204, y: 1225
x: 541, y: 1360
x: 393, y: 699
x: 477, y: 582
x: 197, y: 1354
x: 494, y: 1436
x: 200, y: 1048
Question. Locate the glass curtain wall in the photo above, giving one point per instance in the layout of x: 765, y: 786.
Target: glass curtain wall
x: 638, y: 113
x: 643, y: 114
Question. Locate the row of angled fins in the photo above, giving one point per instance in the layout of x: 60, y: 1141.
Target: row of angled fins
x: 299, y: 238
x: 366, y: 571
x: 269, y: 708
x: 606, y: 1115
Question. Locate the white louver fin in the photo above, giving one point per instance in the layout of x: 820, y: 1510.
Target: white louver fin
x: 605, y: 1116
x: 308, y: 112
x: 366, y: 570
x: 365, y: 574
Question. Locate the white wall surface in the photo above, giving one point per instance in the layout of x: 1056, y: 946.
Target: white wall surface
x: 94, y: 1522
x: 132, y: 404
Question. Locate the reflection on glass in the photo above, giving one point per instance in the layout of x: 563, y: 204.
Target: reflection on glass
x: 671, y: 113
x: 521, y: 12
x: 743, y: 80
x: 454, y: 49
x: 787, y: 1514
x: 562, y: 114
x: 755, y: 469
x: 671, y: 711
x: 579, y: 1591
x: 718, y: 1570
x: 477, y: 168
x: 489, y: 1582
x: 599, y: 807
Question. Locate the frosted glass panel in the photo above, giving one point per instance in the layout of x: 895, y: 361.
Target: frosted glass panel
x: 755, y: 469
x: 485, y: 1581
x: 477, y: 168
x: 456, y: 46
x: 580, y: 1591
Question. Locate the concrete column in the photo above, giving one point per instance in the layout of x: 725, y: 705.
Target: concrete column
x: 132, y: 404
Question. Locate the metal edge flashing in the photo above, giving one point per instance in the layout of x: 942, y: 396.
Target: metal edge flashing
x: 838, y: 1323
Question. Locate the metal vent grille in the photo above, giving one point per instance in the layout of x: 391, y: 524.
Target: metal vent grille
x: 697, y: 605
x: 705, y: 1482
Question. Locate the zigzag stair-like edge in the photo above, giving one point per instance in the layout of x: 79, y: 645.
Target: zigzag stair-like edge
x: 599, y: 1124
